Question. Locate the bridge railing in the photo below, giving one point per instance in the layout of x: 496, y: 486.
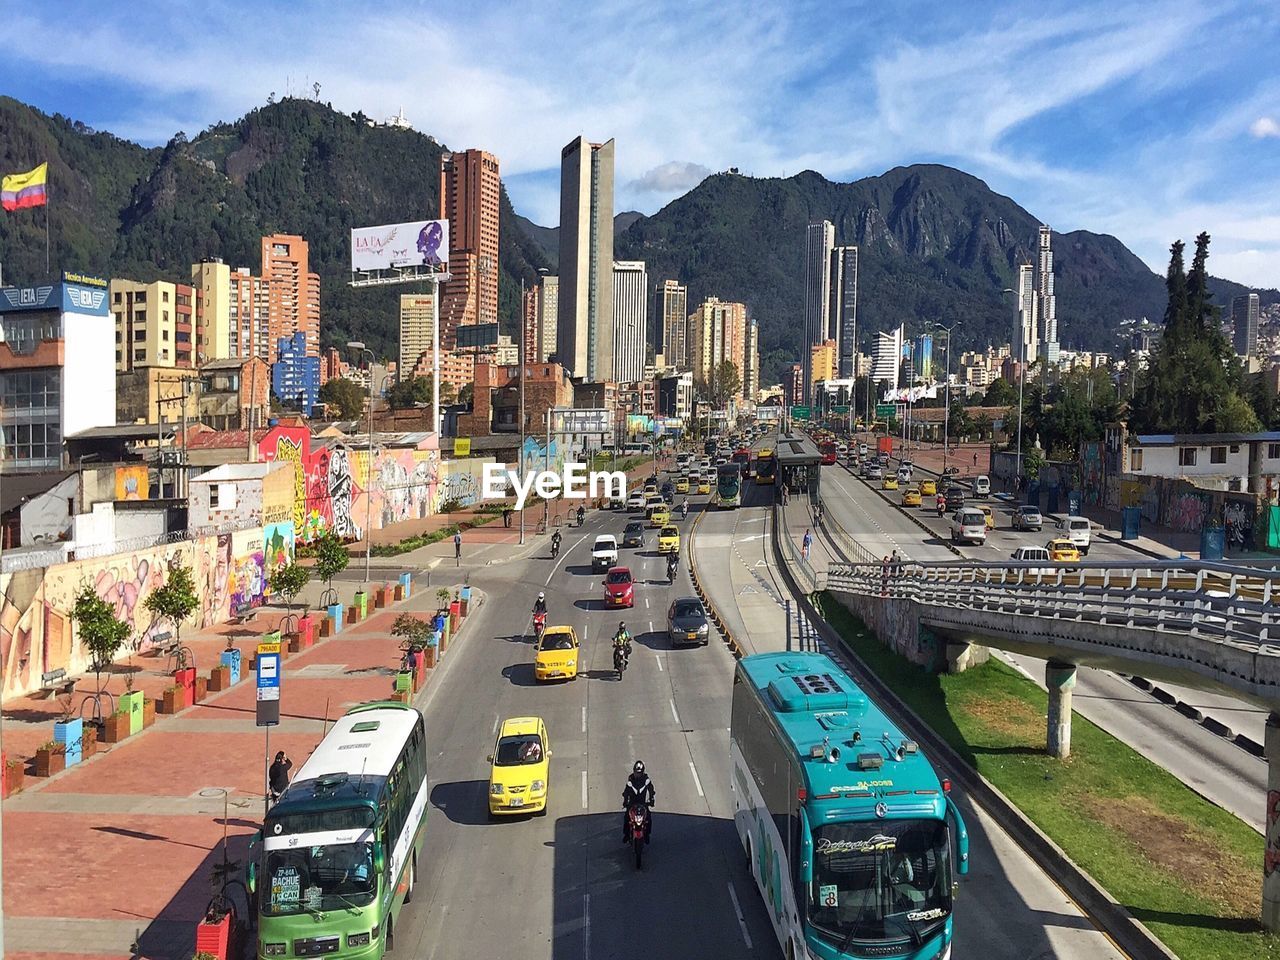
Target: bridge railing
x: 1218, y: 602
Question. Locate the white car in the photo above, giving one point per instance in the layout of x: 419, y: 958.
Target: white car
x: 635, y: 502
x: 604, y: 552
x: 969, y: 525
x: 982, y: 486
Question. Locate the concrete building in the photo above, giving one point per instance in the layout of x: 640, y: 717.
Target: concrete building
x: 235, y: 394
x: 674, y: 330
x: 822, y: 362
x: 295, y: 376
x: 630, y: 319
x: 751, y: 363
x: 1215, y: 461
x: 584, y: 333
x: 496, y: 401
x: 820, y: 239
x: 794, y: 386
x: 293, y: 292
x: 154, y: 323
x: 842, y: 312
x: 529, y: 325
x: 1244, y: 324
x: 717, y: 332
x: 239, y: 493
x: 1028, y: 329
x: 144, y: 394
x: 416, y: 311
x: 674, y: 396
x: 37, y: 508
x: 470, y: 193
x: 249, y: 305
x: 548, y: 310
x: 212, y: 282
x: 922, y: 357
x: 57, y: 369
x: 888, y: 361
x: 1046, y: 302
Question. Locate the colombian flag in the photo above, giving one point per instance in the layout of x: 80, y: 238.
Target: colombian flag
x: 19, y: 190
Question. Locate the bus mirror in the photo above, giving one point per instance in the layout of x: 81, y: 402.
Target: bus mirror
x: 251, y: 878
x: 806, y: 853
x: 379, y: 859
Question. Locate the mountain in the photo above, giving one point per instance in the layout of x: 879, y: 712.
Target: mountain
x: 296, y: 166
x: 935, y: 244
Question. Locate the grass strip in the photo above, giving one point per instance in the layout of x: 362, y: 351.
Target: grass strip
x: 435, y: 536
x: 1188, y: 869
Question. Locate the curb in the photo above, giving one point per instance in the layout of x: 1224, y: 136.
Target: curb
x: 1216, y: 727
x: 1128, y: 933
x: 906, y: 513
x: 725, y: 632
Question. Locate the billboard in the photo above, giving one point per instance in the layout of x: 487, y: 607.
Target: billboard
x: 571, y: 420
x: 477, y: 335
x: 417, y: 244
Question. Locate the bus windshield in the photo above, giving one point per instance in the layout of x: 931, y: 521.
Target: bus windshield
x: 765, y: 466
x: 327, y: 877
x: 888, y: 880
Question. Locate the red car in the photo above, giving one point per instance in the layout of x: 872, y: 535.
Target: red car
x: 619, y: 588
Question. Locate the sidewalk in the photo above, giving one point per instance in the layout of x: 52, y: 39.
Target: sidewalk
x: 114, y: 855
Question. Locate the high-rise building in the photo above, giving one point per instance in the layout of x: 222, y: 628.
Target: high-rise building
x: 294, y: 292
x: 717, y: 332
x: 1046, y: 302
x: 212, y: 281
x: 584, y: 335
x: 416, y: 317
x: 295, y: 376
x: 470, y: 191
x: 675, y: 324
x: 820, y: 239
x: 1027, y: 327
x: 888, y: 360
x: 822, y: 361
x: 842, y: 322
x: 154, y: 324
x: 922, y: 354
x: 548, y: 316
x: 630, y: 319
x: 529, y: 326
x: 795, y: 384
x: 751, y: 363
x: 1244, y: 324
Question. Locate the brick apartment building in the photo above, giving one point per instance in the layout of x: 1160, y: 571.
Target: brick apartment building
x: 496, y: 399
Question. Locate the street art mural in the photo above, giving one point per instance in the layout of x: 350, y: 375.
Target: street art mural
x: 1237, y: 520
x: 277, y: 539
x: 1187, y: 512
x: 133, y: 482
x: 1091, y: 487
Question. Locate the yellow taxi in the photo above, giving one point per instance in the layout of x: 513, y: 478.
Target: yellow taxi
x: 990, y: 517
x: 889, y: 483
x: 928, y: 488
x: 519, y: 768
x: 657, y: 515
x: 704, y: 484
x: 682, y: 485
x: 1063, y: 551
x: 556, y: 655
x: 669, y: 540
x: 911, y: 497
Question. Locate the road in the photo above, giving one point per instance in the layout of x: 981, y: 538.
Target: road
x: 1212, y: 766
x: 1007, y: 909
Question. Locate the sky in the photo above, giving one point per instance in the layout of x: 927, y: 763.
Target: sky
x: 1148, y: 120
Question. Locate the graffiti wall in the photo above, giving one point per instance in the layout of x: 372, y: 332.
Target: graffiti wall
x: 461, y: 481
x: 1186, y: 508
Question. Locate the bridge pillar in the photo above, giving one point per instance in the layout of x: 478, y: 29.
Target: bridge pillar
x: 1060, y: 678
x: 1271, y: 856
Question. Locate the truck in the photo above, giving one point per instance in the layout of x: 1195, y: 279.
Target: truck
x: 884, y: 445
x: 604, y: 553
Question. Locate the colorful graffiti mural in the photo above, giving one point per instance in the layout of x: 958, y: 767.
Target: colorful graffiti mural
x: 133, y: 482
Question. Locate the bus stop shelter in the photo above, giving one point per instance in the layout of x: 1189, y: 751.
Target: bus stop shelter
x: 798, y: 465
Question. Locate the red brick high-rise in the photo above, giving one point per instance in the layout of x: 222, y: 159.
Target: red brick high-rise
x: 470, y: 188
x: 530, y: 317
x: 294, y: 292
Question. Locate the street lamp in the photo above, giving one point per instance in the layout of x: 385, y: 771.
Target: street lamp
x: 1022, y: 379
x: 946, y: 416
x: 524, y: 362
x: 360, y: 349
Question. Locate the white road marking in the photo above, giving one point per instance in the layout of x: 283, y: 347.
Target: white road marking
x: 584, y: 719
x: 646, y: 603
x: 658, y: 657
x: 584, y: 789
x: 586, y: 926
x: 673, y: 712
x: 696, y: 782
x: 495, y: 727
x: 742, y: 921
x: 651, y: 626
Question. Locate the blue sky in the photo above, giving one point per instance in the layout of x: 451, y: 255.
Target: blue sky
x: 1148, y: 120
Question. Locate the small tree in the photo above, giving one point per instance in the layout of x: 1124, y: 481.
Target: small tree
x: 413, y: 630
x: 101, y: 631
x: 288, y: 581
x: 331, y: 559
x: 176, y: 600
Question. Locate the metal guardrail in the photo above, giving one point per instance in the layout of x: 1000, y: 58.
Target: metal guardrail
x: 810, y: 579
x: 14, y: 561
x: 849, y: 546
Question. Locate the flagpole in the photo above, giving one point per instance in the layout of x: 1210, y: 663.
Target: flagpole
x: 47, y: 198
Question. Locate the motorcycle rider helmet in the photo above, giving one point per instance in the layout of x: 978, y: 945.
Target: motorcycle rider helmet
x: 622, y: 627
x: 541, y: 595
x: 639, y: 767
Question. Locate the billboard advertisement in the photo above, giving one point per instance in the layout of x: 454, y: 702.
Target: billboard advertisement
x: 476, y: 335
x: 417, y: 244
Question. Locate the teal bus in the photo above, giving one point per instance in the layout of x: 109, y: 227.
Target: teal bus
x: 729, y: 485
x: 846, y: 826
x: 337, y: 858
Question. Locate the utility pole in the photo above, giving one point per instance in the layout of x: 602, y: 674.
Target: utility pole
x: 946, y: 416
x: 524, y: 370
x: 361, y: 349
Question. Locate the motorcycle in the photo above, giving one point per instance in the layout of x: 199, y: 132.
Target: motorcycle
x: 684, y: 511
x: 582, y: 516
x: 672, y: 565
x: 539, y: 625
x: 942, y: 508
x: 621, y: 654
x: 638, y: 819
x: 555, y: 549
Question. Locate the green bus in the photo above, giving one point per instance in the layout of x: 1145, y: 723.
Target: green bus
x: 729, y: 485
x: 337, y: 858
x: 846, y: 826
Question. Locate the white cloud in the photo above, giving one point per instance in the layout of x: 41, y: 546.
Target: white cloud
x: 675, y: 176
x: 1265, y: 127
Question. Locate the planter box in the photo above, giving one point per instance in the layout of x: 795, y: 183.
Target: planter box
x: 295, y: 643
x: 148, y: 713
x: 202, y: 689
x: 406, y: 584
x: 403, y: 681
x: 171, y: 701
x: 430, y: 655
x: 335, y: 616
x: 89, y: 745
x: 214, y: 937
x: 464, y: 601
x: 361, y: 603
x: 69, y: 733
x: 116, y: 727
x: 420, y: 672
x: 402, y: 696
x: 379, y: 598
x: 49, y: 762
x: 131, y: 704
x: 219, y: 679
x: 326, y: 627
x: 307, y: 630
x: 399, y: 592
x: 231, y: 660
x: 353, y: 614
x: 15, y: 772
x: 186, y: 679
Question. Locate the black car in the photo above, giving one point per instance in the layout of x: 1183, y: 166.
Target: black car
x: 687, y: 622
x: 669, y: 492
x: 633, y: 535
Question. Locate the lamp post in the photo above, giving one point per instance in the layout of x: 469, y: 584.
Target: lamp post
x: 524, y: 362
x: 1022, y: 379
x: 360, y: 349
x: 946, y: 416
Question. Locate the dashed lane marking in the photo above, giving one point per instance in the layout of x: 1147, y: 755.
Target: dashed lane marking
x: 696, y: 782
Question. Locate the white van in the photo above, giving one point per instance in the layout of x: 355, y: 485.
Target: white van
x: 1038, y: 555
x: 969, y: 526
x: 982, y: 486
x: 1079, y: 531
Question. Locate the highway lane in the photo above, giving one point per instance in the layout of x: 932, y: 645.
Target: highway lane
x: 1007, y: 909
x: 563, y: 886
x: 1212, y: 766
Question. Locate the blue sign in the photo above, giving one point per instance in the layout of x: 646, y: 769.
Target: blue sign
x: 67, y: 297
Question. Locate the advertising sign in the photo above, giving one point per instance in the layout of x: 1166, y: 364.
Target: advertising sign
x: 417, y: 244
x: 461, y: 447
x: 267, y: 667
x: 769, y: 413
x: 475, y: 335
x: 566, y: 420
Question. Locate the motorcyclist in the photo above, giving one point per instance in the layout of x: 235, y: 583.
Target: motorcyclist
x: 540, y: 605
x: 684, y: 509
x: 942, y: 504
x: 622, y: 640
x: 673, y: 563
x: 582, y: 513
x: 555, y: 543
x: 638, y: 789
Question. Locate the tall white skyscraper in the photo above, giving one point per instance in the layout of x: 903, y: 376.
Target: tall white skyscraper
x: 1244, y: 324
x: 548, y: 308
x: 751, y: 362
x: 1027, y: 328
x: 1046, y: 302
x: 820, y: 239
x: 584, y: 336
x: 842, y: 323
x: 888, y: 359
x: 630, y: 320
x: 675, y: 324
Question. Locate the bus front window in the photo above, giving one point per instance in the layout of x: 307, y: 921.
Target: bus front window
x: 888, y: 880
x: 325, y: 877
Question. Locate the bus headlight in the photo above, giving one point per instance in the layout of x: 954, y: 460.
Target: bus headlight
x: 274, y: 949
x: 495, y: 789
x: 538, y: 786
x: 357, y: 940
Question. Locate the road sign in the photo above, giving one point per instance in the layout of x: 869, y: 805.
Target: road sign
x: 799, y: 413
x: 569, y: 420
x: 886, y: 409
x: 267, y: 668
x: 842, y: 409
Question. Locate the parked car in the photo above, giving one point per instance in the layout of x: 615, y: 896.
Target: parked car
x: 968, y: 525
x: 1027, y: 517
x: 687, y: 622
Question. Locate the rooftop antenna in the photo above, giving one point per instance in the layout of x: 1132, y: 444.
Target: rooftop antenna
x: 316, y: 87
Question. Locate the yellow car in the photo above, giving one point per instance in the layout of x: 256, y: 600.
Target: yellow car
x: 557, y: 654
x: 928, y: 488
x: 704, y: 484
x: 911, y: 497
x: 669, y: 540
x: 682, y: 485
x: 658, y: 515
x: 991, y: 517
x: 889, y: 483
x: 1063, y: 551
x: 518, y: 777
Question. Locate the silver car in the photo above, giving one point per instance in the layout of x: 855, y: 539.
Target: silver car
x: 687, y: 622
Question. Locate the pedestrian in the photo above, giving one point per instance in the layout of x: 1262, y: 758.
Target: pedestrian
x: 411, y: 659
x: 805, y: 544
x: 785, y: 496
x: 884, y: 577
x: 506, y: 516
x: 278, y: 775
x: 975, y: 459
x: 457, y: 546
x: 895, y: 561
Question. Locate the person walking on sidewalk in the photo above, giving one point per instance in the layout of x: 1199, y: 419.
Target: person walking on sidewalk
x: 506, y: 516
x: 457, y: 546
x: 805, y: 544
x: 278, y: 775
